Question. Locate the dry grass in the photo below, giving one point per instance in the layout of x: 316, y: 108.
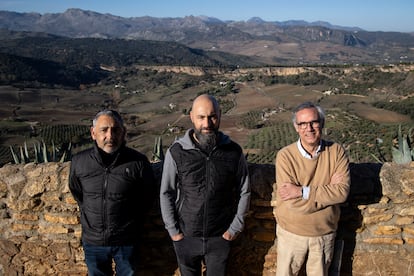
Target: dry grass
x: 378, y: 115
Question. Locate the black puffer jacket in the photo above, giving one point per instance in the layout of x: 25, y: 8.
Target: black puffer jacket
x: 112, y: 199
x: 204, y: 195
x: 210, y: 189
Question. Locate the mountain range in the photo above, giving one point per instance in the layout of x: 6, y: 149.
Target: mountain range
x: 275, y: 43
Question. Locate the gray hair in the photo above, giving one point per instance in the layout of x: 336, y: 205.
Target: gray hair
x: 305, y: 105
x: 111, y: 113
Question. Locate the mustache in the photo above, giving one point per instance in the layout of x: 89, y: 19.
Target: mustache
x: 209, y: 128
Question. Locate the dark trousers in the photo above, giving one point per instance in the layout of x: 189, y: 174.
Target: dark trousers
x: 191, y: 251
x: 98, y: 259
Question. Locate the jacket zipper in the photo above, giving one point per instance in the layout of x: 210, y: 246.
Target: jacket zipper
x: 104, y: 218
x: 205, y: 218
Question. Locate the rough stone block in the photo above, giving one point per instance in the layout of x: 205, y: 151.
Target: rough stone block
x: 387, y: 230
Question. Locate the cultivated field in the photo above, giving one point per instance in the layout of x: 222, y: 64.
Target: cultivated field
x: 258, y: 117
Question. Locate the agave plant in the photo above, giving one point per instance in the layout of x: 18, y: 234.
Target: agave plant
x: 41, y: 154
x: 157, y: 152
x: 403, y: 154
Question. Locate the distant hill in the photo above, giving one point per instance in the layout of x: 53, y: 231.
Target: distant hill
x: 81, y: 47
x: 94, y: 52
x: 275, y: 43
x: 23, y: 70
x: 46, y: 59
x: 81, y: 23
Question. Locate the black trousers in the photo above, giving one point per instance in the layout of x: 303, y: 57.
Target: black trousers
x: 192, y: 251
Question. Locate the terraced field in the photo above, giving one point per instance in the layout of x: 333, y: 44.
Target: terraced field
x: 257, y: 116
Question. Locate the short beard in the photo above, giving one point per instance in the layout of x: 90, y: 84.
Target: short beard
x: 206, y: 142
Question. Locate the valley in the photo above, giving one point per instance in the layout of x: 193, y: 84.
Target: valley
x: 256, y: 105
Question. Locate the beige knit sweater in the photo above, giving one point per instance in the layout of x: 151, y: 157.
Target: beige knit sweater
x: 319, y: 214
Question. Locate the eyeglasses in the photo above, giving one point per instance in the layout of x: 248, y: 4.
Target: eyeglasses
x: 312, y: 124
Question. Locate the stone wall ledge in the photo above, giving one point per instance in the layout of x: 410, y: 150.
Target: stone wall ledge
x: 40, y: 231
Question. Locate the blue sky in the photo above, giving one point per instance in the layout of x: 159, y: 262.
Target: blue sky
x: 371, y: 15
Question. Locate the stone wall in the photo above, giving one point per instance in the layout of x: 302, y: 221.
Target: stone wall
x: 40, y: 231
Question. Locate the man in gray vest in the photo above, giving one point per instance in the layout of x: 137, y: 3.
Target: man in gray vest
x: 205, y: 192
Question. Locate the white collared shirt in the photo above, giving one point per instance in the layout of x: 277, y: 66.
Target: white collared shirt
x: 305, y: 154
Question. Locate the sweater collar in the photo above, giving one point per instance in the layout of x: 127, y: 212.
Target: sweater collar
x: 305, y: 154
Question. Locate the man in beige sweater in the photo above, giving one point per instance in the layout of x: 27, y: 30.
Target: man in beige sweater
x: 312, y: 178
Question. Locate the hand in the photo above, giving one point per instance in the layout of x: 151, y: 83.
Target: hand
x: 177, y: 237
x: 228, y: 236
x: 289, y: 190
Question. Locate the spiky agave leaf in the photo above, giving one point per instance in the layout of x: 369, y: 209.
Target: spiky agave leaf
x: 53, y: 158
x: 66, y: 154
x: 158, y: 154
x: 23, y: 161
x: 36, y: 154
x: 15, y: 157
x: 44, y: 151
x: 26, y: 152
x: 402, y: 154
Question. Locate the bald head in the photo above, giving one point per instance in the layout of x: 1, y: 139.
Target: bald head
x: 205, y: 114
x: 206, y: 99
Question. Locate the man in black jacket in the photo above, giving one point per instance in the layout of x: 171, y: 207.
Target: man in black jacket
x: 205, y: 192
x: 114, y: 188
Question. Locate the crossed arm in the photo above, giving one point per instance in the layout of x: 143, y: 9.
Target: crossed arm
x: 288, y: 190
